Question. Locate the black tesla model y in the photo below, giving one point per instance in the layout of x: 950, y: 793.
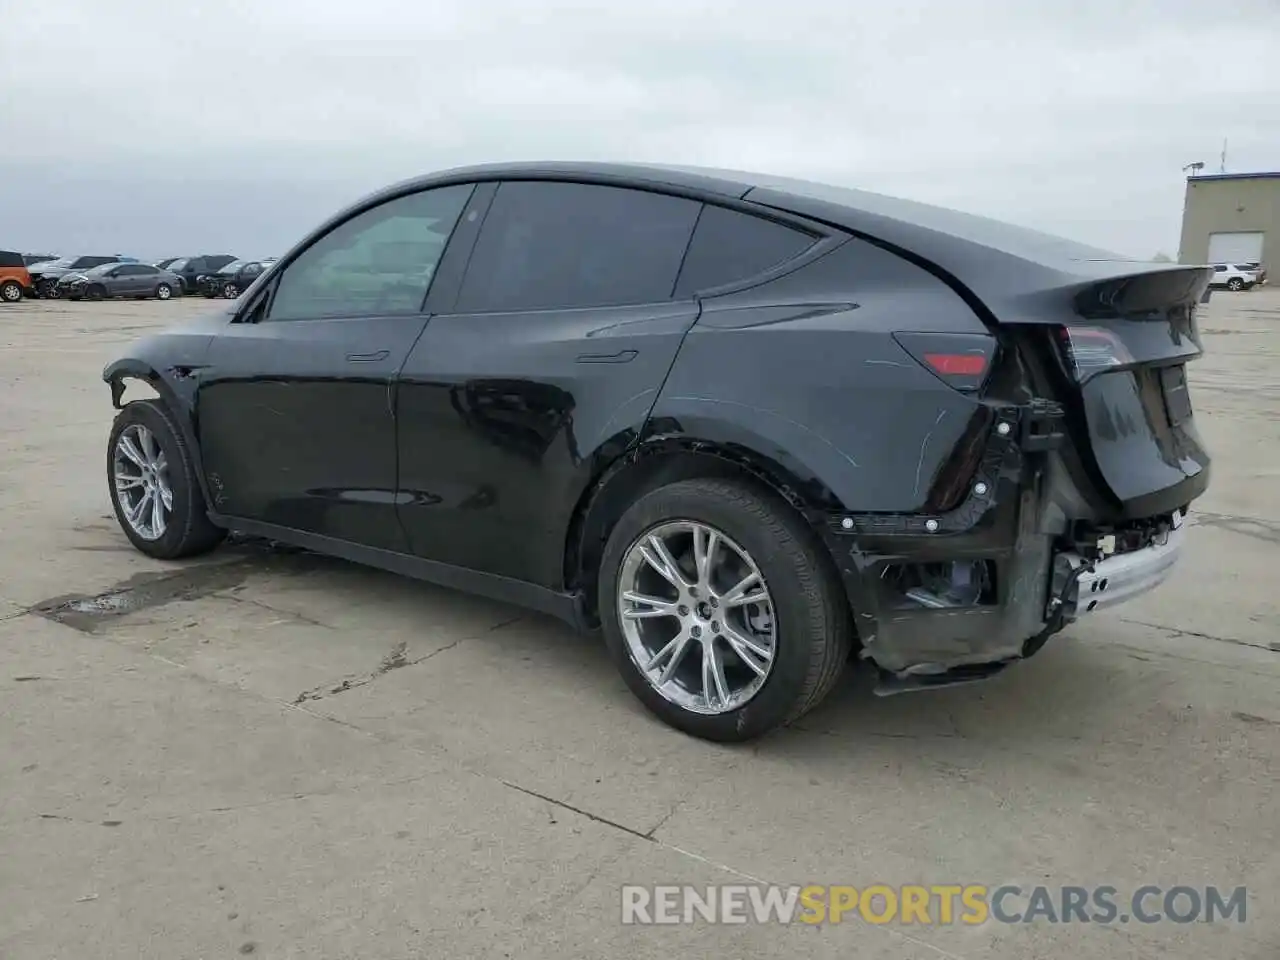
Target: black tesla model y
x: 749, y: 428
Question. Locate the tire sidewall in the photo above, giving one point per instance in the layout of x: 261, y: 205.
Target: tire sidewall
x: 181, y: 479
x: 775, y: 700
x: 6, y: 289
x: 164, y: 292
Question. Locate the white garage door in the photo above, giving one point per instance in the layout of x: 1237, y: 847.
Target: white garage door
x: 1235, y: 247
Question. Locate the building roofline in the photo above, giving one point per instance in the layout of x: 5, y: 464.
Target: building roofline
x: 1260, y: 175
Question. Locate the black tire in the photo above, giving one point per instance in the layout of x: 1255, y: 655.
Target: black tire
x: 163, y: 291
x: 74, y: 296
x: 10, y: 291
x: 190, y: 531
x: 1235, y: 283
x: 230, y: 291
x: 48, y: 290
x: 813, y: 622
x: 97, y: 293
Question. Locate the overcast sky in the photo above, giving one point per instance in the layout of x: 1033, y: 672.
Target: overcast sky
x: 164, y: 128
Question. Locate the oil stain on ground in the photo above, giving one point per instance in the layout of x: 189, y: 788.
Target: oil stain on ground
x: 144, y: 591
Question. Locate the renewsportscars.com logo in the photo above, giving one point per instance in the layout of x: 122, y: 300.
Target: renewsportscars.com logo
x: 933, y: 905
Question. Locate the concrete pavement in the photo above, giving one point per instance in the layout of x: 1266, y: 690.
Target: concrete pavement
x: 272, y: 754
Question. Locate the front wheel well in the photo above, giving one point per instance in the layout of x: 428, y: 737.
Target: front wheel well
x: 658, y: 464
x: 119, y: 383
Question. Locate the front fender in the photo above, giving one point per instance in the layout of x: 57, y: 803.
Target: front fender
x: 170, y: 364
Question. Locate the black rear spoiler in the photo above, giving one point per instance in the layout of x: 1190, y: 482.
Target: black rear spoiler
x: 1145, y: 294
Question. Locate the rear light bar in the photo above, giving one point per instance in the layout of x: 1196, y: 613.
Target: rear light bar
x: 961, y: 360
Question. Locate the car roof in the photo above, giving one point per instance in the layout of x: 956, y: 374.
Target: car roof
x: 999, y: 262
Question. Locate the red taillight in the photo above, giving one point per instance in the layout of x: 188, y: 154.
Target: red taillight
x: 961, y: 360
x: 957, y: 364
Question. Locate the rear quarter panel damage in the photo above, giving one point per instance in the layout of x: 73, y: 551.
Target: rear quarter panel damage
x: 805, y: 371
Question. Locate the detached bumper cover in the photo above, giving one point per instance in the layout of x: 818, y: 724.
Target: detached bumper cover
x: 1119, y: 579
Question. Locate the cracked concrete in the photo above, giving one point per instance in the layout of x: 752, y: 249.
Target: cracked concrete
x: 458, y: 778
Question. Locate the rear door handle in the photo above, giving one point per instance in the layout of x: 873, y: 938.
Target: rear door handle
x: 368, y: 357
x: 622, y: 356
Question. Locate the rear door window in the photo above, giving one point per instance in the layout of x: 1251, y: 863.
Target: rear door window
x: 549, y: 245
x: 729, y: 246
x: 8, y: 259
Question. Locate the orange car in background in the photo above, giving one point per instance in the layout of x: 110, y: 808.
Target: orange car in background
x: 15, y: 280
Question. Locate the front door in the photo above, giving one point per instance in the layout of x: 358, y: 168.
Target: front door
x: 549, y: 358
x: 294, y: 410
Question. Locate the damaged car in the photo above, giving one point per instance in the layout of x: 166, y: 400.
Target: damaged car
x: 748, y: 428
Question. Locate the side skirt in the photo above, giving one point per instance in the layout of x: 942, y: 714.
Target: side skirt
x: 563, y: 606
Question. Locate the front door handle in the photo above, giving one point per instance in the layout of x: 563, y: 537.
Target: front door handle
x: 368, y: 357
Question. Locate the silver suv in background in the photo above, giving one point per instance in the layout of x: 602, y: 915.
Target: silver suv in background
x: 1235, y: 276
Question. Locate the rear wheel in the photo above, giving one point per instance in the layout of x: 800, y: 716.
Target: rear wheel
x: 153, y: 484
x: 164, y: 292
x: 1235, y: 283
x: 720, y: 609
x: 10, y: 291
x: 230, y: 291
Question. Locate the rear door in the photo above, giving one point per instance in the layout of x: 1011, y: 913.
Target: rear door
x: 142, y: 279
x: 548, y: 360
x: 294, y: 411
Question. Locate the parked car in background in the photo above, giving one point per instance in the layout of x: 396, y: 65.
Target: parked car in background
x: 191, y: 269
x: 45, y: 276
x: 15, y: 278
x: 234, y: 278
x: 1233, y: 277
x: 33, y: 258
x: 166, y: 263
x: 1255, y: 267
x: 751, y: 428
x: 139, y: 280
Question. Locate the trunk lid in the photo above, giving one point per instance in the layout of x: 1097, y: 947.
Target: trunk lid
x: 1115, y: 351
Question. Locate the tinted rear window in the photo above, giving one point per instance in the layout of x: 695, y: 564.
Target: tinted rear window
x: 548, y: 245
x: 729, y: 246
x: 8, y: 259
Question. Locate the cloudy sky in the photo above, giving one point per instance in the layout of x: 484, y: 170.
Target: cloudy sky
x: 163, y: 128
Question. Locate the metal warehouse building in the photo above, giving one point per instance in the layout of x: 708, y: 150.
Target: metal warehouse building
x: 1232, y: 218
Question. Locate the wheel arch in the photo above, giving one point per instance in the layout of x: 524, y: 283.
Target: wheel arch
x: 117, y: 376
x: 662, y: 458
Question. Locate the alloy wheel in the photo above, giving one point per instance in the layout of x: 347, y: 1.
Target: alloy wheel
x: 697, y: 616
x: 230, y: 291
x: 163, y: 292
x: 140, y: 475
x: 11, y: 292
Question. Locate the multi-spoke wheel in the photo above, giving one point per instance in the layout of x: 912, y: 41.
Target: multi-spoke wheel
x: 153, y: 484
x: 140, y: 473
x: 697, y: 616
x: 721, y: 609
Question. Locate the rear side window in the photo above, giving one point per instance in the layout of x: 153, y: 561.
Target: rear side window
x: 729, y: 246
x: 548, y: 245
x: 11, y: 259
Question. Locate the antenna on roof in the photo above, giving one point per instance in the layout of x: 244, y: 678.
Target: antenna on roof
x: 1222, y: 166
